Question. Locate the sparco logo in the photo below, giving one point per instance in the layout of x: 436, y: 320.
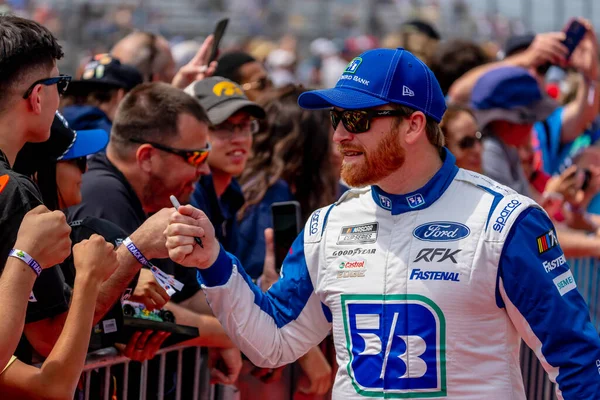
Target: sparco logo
x: 430, y: 255
x: 354, y: 252
x: 314, y: 222
x: 441, y: 231
x: 506, y: 212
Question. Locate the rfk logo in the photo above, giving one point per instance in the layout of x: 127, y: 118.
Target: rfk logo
x: 433, y: 254
x: 396, y: 345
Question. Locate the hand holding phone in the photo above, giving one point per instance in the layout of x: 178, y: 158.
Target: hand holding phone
x: 217, y: 36
x: 573, y: 36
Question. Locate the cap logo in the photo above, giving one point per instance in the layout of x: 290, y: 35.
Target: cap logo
x: 353, y: 65
x: 227, y: 89
x: 406, y: 91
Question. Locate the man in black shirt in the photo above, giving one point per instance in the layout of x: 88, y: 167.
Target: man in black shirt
x: 158, y: 147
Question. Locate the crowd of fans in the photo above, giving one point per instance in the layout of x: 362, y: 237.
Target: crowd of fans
x: 82, y: 186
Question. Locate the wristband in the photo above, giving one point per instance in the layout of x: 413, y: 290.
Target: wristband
x: 135, y: 252
x: 27, y: 259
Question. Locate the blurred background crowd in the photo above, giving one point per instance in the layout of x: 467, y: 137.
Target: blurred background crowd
x: 510, y: 117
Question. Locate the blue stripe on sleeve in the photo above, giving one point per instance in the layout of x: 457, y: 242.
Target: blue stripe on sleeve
x: 286, y: 299
x: 533, y: 274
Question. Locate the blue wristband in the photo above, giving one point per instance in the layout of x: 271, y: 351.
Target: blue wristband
x: 27, y: 259
x: 136, y: 252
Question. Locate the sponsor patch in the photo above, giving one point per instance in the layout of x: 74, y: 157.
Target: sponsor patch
x: 505, y: 214
x: 314, y: 222
x: 437, y: 255
x: 365, y: 233
x: 353, y: 65
x: 353, y: 252
x: 557, y: 262
x: 547, y: 241
x: 385, y: 202
x: 416, y: 200
x: 565, y: 283
x: 419, y: 275
x: 441, y: 231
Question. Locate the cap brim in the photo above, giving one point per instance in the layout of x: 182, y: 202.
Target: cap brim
x: 538, y: 111
x: 346, y: 98
x: 86, y: 143
x: 219, y: 113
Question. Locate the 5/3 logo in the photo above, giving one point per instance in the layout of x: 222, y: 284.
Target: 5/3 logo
x: 396, y: 345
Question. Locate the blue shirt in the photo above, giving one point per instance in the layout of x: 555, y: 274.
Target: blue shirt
x: 222, y: 211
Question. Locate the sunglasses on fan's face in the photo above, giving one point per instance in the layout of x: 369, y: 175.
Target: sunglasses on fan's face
x: 195, y: 158
x: 359, y: 121
x: 61, y: 82
x: 468, y: 142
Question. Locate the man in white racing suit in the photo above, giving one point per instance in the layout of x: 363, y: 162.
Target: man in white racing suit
x: 428, y: 278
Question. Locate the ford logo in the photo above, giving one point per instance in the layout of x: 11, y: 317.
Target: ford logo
x: 441, y: 231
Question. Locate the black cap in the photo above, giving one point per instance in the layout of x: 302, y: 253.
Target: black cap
x: 106, y: 72
x: 518, y: 43
x: 230, y: 63
x: 221, y: 98
x: 64, y: 144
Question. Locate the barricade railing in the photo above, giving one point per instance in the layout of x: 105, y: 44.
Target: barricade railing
x: 104, y: 361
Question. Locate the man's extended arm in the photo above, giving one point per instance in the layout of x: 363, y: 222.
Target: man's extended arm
x: 541, y: 298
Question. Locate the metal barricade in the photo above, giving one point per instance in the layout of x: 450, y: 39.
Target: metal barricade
x: 106, y: 360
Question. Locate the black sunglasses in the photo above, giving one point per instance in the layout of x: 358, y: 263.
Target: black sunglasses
x: 193, y: 157
x: 61, y: 82
x: 468, y: 142
x: 359, y: 121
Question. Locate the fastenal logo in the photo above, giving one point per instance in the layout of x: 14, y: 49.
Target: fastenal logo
x: 557, y: 262
x: 420, y: 275
x: 505, y: 214
x: 365, y: 233
x: 547, y: 241
x: 441, y: 231
x: 415, y: 200
x: 353, y: 65
x: 396, y: 345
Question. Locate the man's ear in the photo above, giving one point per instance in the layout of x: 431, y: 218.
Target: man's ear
x: 144, y: 155
x: 34, y: 100
x: 416, y: 124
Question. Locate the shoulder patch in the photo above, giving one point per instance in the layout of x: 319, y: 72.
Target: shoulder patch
x: 505, y: 213
x: 313, y: 230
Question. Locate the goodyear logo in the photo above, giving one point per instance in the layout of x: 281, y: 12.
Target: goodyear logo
x: 227, y: 89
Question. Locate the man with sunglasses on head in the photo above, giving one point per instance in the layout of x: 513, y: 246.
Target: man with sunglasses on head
x: 158, y: 147
x: 428, y: 275
x: 233, y: 121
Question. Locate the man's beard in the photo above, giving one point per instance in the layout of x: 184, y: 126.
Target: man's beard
x: 387, y: 158
x: 157, y: 192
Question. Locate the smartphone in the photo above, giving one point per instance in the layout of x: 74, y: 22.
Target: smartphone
x: 587, y: 177
x: 286, y: 226
x: 218, y: 35
x: 574, y: 34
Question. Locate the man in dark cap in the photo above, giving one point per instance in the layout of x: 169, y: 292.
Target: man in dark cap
x: 244, y: 70
x: 93, y: 99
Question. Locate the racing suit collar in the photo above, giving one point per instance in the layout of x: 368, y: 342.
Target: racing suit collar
x: 420, y: 198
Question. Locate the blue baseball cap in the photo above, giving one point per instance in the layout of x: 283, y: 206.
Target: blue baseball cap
x: 510, y: 94
x: 379, y: 77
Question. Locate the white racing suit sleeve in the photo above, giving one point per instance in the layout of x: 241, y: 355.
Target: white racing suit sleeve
x: 273, y: 328
x: 540, y: 295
